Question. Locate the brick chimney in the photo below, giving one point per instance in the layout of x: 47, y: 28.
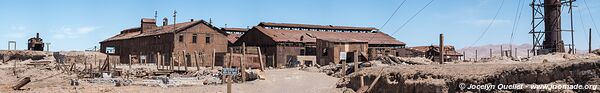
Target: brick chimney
x: 147, y: 23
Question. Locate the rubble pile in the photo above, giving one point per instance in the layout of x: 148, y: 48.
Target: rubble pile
x: 447, y: 78
x: 23, y: 54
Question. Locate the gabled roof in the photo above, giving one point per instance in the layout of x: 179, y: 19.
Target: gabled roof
x: 135, y: 32
x: 231, y: 38
x: 280, y: 35
x: 315, y: 26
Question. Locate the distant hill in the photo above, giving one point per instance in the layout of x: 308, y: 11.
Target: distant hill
x: 484, y: 51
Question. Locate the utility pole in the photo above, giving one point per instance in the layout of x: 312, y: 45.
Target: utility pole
x: 590, y: 41
x: 442, y: 50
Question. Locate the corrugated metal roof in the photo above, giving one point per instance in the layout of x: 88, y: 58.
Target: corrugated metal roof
x: 280, y: 35
x: 315, y: 26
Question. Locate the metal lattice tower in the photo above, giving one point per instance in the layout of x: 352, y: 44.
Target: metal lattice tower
x: 548, y: 13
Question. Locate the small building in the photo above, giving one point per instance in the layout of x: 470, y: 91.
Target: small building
x: 180, y: 41
x: 35, y: 43
x: 432, y: 52
x: 284, y: 44
x: 329, y: 50
x: 233, y: 34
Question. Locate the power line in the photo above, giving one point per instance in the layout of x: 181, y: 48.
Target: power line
x: 388, y: 20
x: 489, y: 25
x: 591, y: 17
x: 411, y: 18
x: 516, y: 22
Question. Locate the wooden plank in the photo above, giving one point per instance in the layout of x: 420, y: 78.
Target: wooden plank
x: 260, y: 58
x: 373, y: 83
x: 22, y: 83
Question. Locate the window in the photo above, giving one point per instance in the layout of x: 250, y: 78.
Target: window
x: 207, y: 38
x: 324, y: 52
x: 194, y: 38
x: 180, y: 38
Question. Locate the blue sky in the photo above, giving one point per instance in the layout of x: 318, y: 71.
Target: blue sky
x: 81, y: 24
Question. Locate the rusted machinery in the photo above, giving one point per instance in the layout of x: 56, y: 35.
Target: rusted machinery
x: 35, y: 43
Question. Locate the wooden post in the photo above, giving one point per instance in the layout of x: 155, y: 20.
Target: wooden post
x: 273, y: 62
x: 590, y: 41
x: 344, y: 68
x: 242, y: 66
x: 213, y: 58
x: 464, y: 56
x: 516, y: 52
x: 442, y: 50
x: 185, y: 61
x: 260, y: 58
x: 491, y: 53
x: 475, y: 55
x: 157, y: 60
x: 171, y: 62
x: 130, y: 61
x: 501, y: 53
x: 196, y: 60
x: 230, y: 57
x: 356, y: 63
x: 228, y: 79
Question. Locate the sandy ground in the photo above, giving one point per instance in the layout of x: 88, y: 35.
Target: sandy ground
x: 278, y: 81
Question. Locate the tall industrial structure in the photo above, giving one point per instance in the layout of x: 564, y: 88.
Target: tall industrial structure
x: 552, y: 34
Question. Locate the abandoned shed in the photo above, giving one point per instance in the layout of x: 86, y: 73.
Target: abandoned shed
x: 287, y: 45
x: 180, y: 42
x: 432, y: 52
x: 330, y: 50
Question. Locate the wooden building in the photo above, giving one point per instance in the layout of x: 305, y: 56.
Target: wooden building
x: 330, y: 49
x: 170, y: 42
x: 284, y: 43
x: 432, y: 52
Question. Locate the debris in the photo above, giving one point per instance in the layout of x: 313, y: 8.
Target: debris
x: 22, y: 83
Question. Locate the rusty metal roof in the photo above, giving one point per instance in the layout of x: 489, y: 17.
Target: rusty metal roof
x: 315, y: 26
x: 135, y: 32
x: 280, y: 35
x: 231, y: 38
x: 234, y: 29
x: 340, y: 40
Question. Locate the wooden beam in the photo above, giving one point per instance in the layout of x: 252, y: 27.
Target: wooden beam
x: 22, y: 83
x: 242, y: 66
x: 196, y: 60
x: 260, y: 58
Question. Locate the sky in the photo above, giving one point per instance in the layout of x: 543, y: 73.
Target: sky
x: 82, y: 24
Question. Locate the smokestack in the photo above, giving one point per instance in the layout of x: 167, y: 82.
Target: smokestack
x: 552, y: 40
x: 191, y: 20
x: 37, y: 35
